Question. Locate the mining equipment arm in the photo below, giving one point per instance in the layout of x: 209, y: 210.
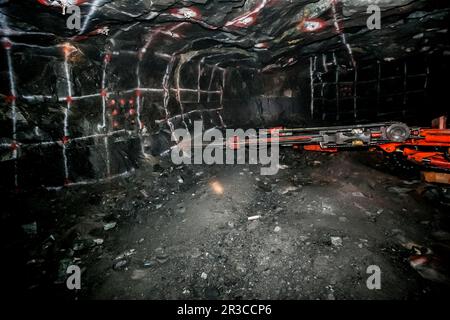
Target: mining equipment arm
x: 424, y: 146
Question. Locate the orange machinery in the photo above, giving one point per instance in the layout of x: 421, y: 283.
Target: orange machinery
x: 429, y: 147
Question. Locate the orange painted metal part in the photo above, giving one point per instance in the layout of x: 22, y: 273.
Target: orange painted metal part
x: 436, y: 177
x: 275, y: 130
x: 437, y: 138
x: 436, y: 135
x: 389, y: 147
x: 428, y: 137
x: 316, y: 147
x: 411, y: 148
x: 419, y: 155
x: 425, y: 145
x: 436, y: 160
x: 440, y: 162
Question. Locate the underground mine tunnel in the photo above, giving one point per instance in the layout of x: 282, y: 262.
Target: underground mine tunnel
x: 108, y: 109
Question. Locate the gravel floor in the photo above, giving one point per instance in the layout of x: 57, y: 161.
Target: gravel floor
x: 309, y: 232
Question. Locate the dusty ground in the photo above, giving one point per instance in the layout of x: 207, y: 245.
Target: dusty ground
x: 174, y: 238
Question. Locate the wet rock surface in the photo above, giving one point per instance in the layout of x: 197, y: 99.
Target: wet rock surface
x: 96, y: 99
x: 182, y: 240
x: 265, y: 34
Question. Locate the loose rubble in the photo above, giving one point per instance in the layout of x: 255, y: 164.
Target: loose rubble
x: 182, y: 240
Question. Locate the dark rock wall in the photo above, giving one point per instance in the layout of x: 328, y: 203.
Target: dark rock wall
x: 81, y: 106
x: 82, y: 115
x: 267, y: 99
x: 409, y: 89
x: 81, y: 119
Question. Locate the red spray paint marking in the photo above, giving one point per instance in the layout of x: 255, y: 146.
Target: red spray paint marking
x: 275, y: 131
x: 233, y: 143
x: 186, y: 13
x: 67, y: 182
x: 68, y: 49
x: 416, y: 260
x: 138, y: 93
x: 14, y: 146
x: 69, y: 99
x: 49, y: 2
x: 311, y: 25
x: 65, y: 140
x: 262, y: 45
x: 248, y: 18
x: 242, y: 22
x: 103, y: 93
x: 7, y: 44
x: 44, y: 2
x: 79, y: 38
x: 100, y: 30
x: 107, y: 58
x: 10, y: 98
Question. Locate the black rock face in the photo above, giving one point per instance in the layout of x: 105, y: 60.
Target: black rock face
x: 85, y: 105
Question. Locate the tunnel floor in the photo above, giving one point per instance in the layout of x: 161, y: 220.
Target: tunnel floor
x: 320, y: 223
